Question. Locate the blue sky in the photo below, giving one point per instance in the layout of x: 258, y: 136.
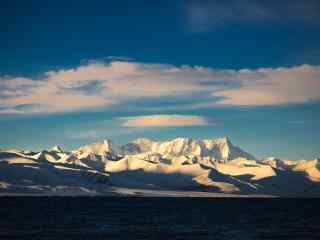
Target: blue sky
x: 81, y: 71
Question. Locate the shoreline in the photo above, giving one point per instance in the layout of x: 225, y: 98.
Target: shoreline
x: 134, y: 192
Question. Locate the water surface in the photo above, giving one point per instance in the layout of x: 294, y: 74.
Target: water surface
x: 158, y: 218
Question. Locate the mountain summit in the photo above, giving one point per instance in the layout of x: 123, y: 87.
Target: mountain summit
x: 220, y: 149
x: 213, y: 165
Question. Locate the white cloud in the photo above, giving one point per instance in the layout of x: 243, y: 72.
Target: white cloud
x: 99, y: 84
x: 165, y: 121
x: 276, y: 86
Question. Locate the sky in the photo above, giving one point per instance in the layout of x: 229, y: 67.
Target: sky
x: 76, y: 72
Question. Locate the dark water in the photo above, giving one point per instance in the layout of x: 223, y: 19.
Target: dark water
x: 158, y: 218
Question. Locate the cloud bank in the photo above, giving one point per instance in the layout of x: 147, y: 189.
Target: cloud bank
x: 106, y: 84
x: 165, y: 121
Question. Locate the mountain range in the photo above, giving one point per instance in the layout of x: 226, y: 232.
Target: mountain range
x: 210, y: 166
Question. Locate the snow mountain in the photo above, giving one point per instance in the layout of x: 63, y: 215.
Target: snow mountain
x: 181, y: 164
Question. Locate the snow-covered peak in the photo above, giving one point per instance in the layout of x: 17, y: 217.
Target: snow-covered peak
x: 223, y: 149
x: 57, y: 149
x: 45, y: 155
x: 180, y: 163
x: 222, y: 140
x: 220, y: 149
x: 144, y: 141
x: 179, y: 147
x: 110, y: 147
x: 99, y: 148
x: 144, y: 144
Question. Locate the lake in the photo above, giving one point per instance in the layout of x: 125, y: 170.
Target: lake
x: 158, y: 218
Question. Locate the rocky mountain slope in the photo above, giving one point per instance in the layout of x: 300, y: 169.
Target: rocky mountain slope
x: 185, y: 164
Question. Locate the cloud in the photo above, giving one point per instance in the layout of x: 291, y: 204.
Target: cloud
x: 131, y: 126
x: 121, y: 83
x: 275, y: 86
x: 10, y: 111
x: 165, y: 121
x: 201, y: 16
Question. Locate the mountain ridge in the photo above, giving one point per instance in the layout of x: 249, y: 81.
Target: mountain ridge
x: 213, y: 165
